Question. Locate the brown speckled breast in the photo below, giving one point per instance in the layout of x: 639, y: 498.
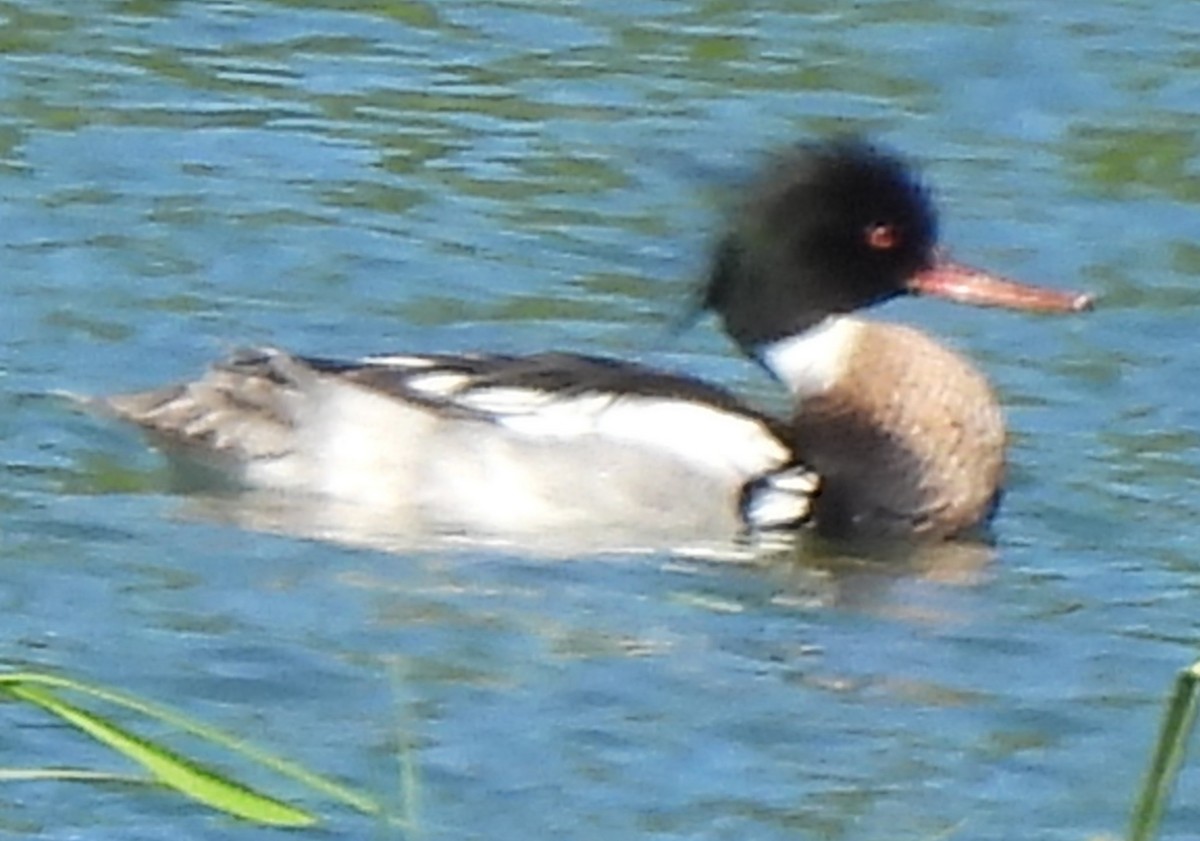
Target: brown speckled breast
x: 910, y: 440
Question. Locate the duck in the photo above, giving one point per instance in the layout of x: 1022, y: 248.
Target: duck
x: 890, y: 434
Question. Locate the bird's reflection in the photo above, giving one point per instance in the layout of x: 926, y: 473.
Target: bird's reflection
x: 805, y: 571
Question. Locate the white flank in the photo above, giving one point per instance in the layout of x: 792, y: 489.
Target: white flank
x: 362, y: 445
x: 544, y: 462
x: 813, y: 361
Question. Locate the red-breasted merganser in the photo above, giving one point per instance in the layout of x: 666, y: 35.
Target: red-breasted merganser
x: 891, y: 433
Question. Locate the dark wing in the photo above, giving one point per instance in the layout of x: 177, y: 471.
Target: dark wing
x: 463, y: 383
x: 245, y: 403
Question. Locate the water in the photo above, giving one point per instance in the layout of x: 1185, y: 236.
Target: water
x: 342, y: 178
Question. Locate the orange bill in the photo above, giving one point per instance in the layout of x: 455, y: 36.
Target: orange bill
x: 968, y: 285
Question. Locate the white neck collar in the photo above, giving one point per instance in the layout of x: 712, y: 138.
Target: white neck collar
x: 811, y: 362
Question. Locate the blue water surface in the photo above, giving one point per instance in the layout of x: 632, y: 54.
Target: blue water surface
x: 178, y: 178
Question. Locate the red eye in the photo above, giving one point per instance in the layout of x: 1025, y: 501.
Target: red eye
x: 882, y: 236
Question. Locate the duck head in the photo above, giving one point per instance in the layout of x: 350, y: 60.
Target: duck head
x: 832, y: 227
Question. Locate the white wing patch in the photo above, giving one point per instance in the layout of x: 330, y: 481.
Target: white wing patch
x: 441, y: 384
x: 702, y: 434
x: 399, y: 361
x: 781, y: 500
x: 507, y: 403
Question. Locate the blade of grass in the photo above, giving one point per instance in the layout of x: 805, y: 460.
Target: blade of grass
x: 1179, y: 721
x: 184, y: 775
x: 286, y: 768
x: 410, y: 793
x: 71, y: 775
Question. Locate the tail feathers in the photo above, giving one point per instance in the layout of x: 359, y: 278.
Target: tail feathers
x: 243, y: 407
